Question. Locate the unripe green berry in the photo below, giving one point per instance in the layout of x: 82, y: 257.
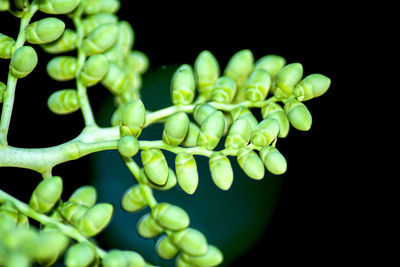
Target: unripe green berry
x: 67, y: 42
x: 101, y: 39
x: 240, y: 66
x: 207, y: 71
x: 165, y: 248
x: 175, y: 128
x: 79, y: 255
x: 44, y: 31
x: 190, y: 139
x: 287, y: 79
x: 147, y: 227
x: 95, y: 219
x: 273, y: 160
x: 190, y: 241
x: 211, y: 130
x: 58, y: 6
x: 221, y: 170
x: 258, y: 85
x: 94, y: 69
x: 155, y: 166
x: 6, y: 43
x: 62, y: 68
x: 275, y: 111
x: 23, y: 61
x: 201, y: 112
x: 46, y: 194
x: 312, y: 86
x: 170, y: 216
x: 128, y: 146
x: 133, y: 117
x: 251, y: 163
x: 133, y: 199
x: 186, y: 172
x: 298, y: 114
x: 239, y: 134
x: 224, y: 90
x: 63, y: 102
x: 271, y: 63
x: 84, y: 195
x: 213, y: 257
x: 183, y: 85
x: 265, y: 132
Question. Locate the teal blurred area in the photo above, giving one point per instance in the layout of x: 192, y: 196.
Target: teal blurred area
x: 233, y: 220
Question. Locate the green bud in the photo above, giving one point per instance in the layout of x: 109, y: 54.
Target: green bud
x: 207, y: 71
x: 257, y: 85
x: 117, y: 258
x: 186, y: 172
x: 50, y: 245
x: 148, y: 228
x: 155, y: 166
x: 134, y: 258
x: 63, y: 102
x: 165, y: 248
x: 312, y: 86
x: 170, y: 216
x: 171, y: 180
x: 240, y: 66
x: 201, y: 112
x: 221, y: 170
x: 180, y: 262
x: 95, y: 219
x: 46, y: 194
x: 191, y: 136
x: 211, y: 130
x: 190, y: 241
x: 4, y: 5
x: 224, y: 90
x: 133, y: 117
x: 175, y: 128
x: 183, y: 85
x: 244, y: 113
x: 251, y: 163
x: 17, y: 259
x: 23, y: 61
x: 84, y: 195
x: 273, y: 160
x: 275, y: 111
x: 116, y: 79
x: 213, y: 257
x: 128, y: 146
x: 62, y: 68
x: 239, y: 134
x: 101, y: 6
x: 58, y: 6
x: 67, y: 42
x: 79, y: 255
x: 44, y: 31
x: 271, y: 63
x: 73, y: 212
x: 101, y: 39
x: 265, y: 132
x: 94, y: 69
x: 122, y: 47
x: 6, y: 43
x: 137, y: 62
x: 133, y: 200
x: 90, y: 23
x: 298, y: 115
x: 287, y: 79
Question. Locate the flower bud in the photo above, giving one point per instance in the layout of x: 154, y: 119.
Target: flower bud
x: 58, y: 6
x: 170, y: 216
x: 201, y: 112
x: 90, y: 23
x: 257, y: 85
x: 133, y: 117
x: 190, y: 241
x: 287, y: 79
x: 275, y: 111
x: 95, y: 219
x: 101, y: 39
x: 117, y: 258
x: 179, y: 262
x: 137, y: 62
x: 171, y: 180
x: 147, y: 227
x: 221, y: 170
x: 62, y: 68
x: 50, y: 245
x: 101, y: 6
x: 165, y: 248
x: 186, y: 172
x: 67, y: 42
x: 175, y: 128
x: 46, y: 194
x: 271, y: 63
x: 224, y: 90
x: 116, y: 79
x: 134, y: 259
x: 312, y: 86
x: 73, y: 212
x: 190, y: 139
x: 133, y: 200
x: 183, y: 85
x: 125, y: 40
x: 84, y: 195
x: 63, y: 102
x: 240, y: 66
x: 211, y: 130
x: 244, y: 113
x: 251, y: 163
x: 273, y: 160
x: 213, y: 257
x: 4, y: 5
x: 6, y: 43
x: 298, y: 115
x: 23, y: 61
x: 155, y: 166
x: 94, y: 69
x: 207, y: 71
x: 128, y: 146
x: 79, y: 255
x: 44, y: 31
x: 239, y: 134
x: 265, y: 132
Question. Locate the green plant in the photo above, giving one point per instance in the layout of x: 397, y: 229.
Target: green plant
x: 207, y: 106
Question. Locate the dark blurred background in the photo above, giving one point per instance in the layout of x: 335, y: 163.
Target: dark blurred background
x: 305, y: 225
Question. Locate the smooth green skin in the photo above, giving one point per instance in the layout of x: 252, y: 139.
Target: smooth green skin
x: 314, y: 85
x: 101, y: 39
x: 224, y: 90
x: 84, y: 195
x: 240, y: 66
x: 190, y: 139
x: 133, y: 116
x: 298, y: 114
x: 239, y: 134
x: 46, y: 194
x: 221, y: 170
x: 101, y: 6
x: 52, y: 244
x: 213, y: 257
x: 44, y: 31
x: 58, y: 6
x: 95, y: 219
x: 67, y: 42
x: 275, y: 111
x: 201, y: 112
x: 63, y: 102
x: 171, y: 181
x: 186, y: 172
x: 79, y: 255
x: 62, y: 68
x: 137, y: 62
x: 117, y: 258
x: 258, y: 85
x: 128, y: 146
x: 175, y: 128
x: 170, y: 216
x: 190, y: 241
x: 207, y: 71
x: 115, y: 79
x: 155, y: 166
x: 211, y: 130
x: 133, y: 200
x: 94, y: 69
x: 23, y: 61
x: 251, y: 163
x: 6, y: 43
x: 147, y: 227
x: 287, y: 79
x: 165, y: 248
x: 73, y: 212
x: 91, y: 22
x: 266, y: 131
x: 271, y: 63
x: 273, y: 160
x: 183, y: 85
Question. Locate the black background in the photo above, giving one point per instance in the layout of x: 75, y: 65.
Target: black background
x: 311, y: 218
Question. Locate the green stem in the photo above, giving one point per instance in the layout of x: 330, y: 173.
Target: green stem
x: 43, y: 219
